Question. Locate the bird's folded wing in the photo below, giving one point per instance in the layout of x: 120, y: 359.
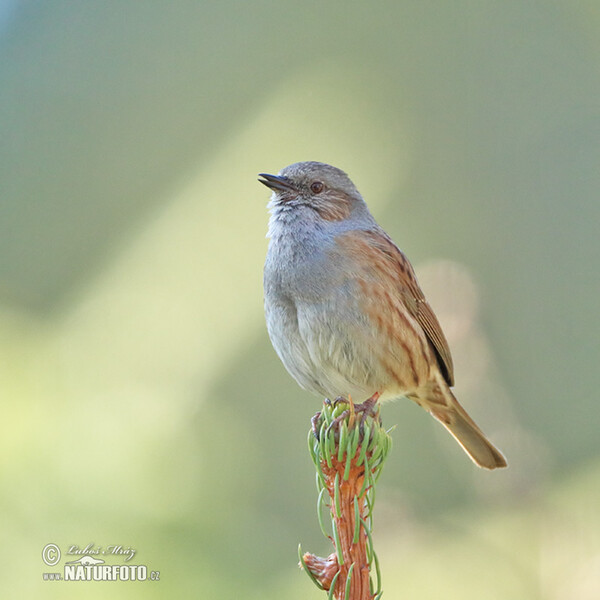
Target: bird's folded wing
x: 379, y: 252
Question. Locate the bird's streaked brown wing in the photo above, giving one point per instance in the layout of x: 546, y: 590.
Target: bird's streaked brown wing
x: 411, y: 294
x: 428, y: 321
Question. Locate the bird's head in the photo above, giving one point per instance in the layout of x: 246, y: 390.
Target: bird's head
x: 325, y: 189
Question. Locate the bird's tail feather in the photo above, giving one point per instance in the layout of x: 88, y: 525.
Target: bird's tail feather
x: 464, y: 430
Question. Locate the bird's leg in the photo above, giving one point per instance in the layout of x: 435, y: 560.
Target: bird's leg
x: 368, y: 408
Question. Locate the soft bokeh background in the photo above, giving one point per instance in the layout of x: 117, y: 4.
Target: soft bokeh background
x: 141, y: 401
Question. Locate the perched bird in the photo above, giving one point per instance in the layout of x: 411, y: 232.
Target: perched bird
x: 343, y: 307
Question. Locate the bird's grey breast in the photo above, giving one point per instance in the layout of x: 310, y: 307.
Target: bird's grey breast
x: 297, y: 264
x: 298, y: 281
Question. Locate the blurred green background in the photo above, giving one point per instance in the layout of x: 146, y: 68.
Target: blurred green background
x: 142, y: 404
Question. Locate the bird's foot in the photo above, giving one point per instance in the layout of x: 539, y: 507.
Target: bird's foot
x: 365, y: 409
x: 368, y: 408
x: 338, y: 400
x: 314, y: 422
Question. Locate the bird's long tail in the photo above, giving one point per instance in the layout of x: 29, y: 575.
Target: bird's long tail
x: 456, y: 420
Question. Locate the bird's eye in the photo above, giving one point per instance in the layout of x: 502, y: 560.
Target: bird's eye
x: 316, y: 187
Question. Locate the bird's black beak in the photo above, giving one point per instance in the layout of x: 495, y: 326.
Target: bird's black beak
x: 276, y: 182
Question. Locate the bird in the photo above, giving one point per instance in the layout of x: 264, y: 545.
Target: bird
x: 343, y: 308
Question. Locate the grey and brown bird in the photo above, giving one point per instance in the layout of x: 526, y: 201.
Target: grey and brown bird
x: 344, y: 310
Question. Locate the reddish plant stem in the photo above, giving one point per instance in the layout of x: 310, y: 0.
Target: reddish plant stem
x: 325, y: 569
